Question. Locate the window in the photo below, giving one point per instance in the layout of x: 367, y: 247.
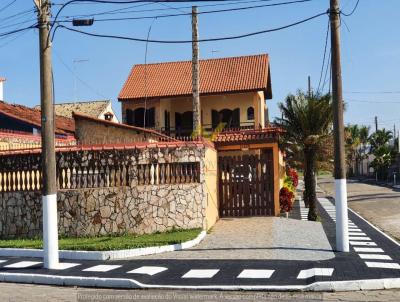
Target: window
x: 250, y: 113
x: 136, y: 117
x: 230, y: 118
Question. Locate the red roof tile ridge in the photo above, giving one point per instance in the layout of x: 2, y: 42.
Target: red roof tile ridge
x: 204, y: 60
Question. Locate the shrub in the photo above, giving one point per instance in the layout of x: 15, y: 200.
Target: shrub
x: 292, y: 173
x: 286, y: 199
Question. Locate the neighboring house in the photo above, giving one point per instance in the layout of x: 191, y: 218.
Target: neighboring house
x: 98, y: 109
x: 20, y: 128
x: 233, y: 91
x: 24, y: 119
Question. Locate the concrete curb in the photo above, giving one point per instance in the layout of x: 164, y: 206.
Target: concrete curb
x: 105, y: 255
x: 328, y: 286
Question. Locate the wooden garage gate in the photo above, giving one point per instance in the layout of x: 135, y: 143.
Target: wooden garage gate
x: 246, y: 184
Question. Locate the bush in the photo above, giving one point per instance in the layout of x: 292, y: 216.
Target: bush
x: 292, y: 174
x: 286, y: 198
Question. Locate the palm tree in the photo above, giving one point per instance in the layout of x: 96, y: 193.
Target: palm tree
x: 380, y: 138
x: 353, y: 141
x: 307, y: 121
x: 381, y: 150
x: 356, y: 138
x: 364, y: 135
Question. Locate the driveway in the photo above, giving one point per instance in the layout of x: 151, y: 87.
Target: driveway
x: 259, y: 238
x: 379, y: 205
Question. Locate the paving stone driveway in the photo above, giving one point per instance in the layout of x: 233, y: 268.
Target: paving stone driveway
x: 259, y: 238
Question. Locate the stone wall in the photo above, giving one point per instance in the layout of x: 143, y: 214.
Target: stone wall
x: 139, y: 210
x: 136, y: 209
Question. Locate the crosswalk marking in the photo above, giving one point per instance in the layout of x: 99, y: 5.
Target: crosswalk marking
x: 102, y: 268
x: 23, y: 264
x: 2, y: 261
x: 308, y: 273
x: 368, y: 243
x: 148, y: 270
x: 256, y: 273
x: 352, y: 233
x: 383, y: 265
x: 368, y: 249
x: 359, y: 238
x: 201, y: 273
x: 63, y: 265
x: 375, y: 256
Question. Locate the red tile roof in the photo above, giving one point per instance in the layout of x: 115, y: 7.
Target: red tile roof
x: 32, y: 117
x: 247, y: 136
x: 225, y: 75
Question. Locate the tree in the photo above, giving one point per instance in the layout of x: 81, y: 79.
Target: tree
x: 356, y: 138
x: 380, y: 138
x: 307, y: 122
x: 353, y: 141
x: 382, y: 151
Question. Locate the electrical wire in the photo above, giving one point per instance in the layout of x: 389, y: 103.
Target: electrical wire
x: 7, y: 5
x: 16, y: 31
x: 190, y: 41
x: 199, y: 13
x: 324, y: 57
x: 145, y: 72
x: 353, y: 11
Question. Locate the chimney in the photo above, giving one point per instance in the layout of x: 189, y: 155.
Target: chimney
x: 2, y: 80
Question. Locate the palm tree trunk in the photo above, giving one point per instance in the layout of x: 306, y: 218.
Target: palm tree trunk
x: 309, y: 182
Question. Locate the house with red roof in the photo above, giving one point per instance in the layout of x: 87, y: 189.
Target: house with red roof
x: 234, y: 114
x: 233, y: 91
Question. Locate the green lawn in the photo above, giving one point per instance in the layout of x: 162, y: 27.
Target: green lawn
x: 106, y: 243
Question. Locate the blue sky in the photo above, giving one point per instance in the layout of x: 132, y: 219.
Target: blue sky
x: 370, y: 52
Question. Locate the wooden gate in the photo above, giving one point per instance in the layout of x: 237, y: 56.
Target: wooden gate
x: 246, y: 185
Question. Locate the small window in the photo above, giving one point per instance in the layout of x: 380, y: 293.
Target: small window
x: 250, y: 113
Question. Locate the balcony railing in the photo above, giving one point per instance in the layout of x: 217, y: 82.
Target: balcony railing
x: 209, y: 129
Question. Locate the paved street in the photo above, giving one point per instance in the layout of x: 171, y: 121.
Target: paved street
x: 373, y: 256
x: 377, y: 204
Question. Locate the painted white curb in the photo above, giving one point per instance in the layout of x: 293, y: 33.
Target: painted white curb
x: 325, y: 286
x: 105, y: 255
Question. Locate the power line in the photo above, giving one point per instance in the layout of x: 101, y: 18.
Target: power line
x: 123, y: 10
x: 328, y: 68
x: 7, y: 5
x: 323, y: 60
x: 190, y: 41
x: 353, y: 11
x: 16, y: 31
x: 372, y: 92
x: 204, y: 12
x: 374, y: 102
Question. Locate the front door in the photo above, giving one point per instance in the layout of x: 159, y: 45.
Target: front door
x: 246, y: 184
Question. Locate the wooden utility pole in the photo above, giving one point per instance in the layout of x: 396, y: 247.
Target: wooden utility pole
x: 309, y: 87
x: 376, y: 123
x: 342, y: 234
x: 196, y: 74
x: 49, y: 190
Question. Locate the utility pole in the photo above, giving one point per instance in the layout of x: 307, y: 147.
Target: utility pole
x: 309, y: 87
x: 342, y: 232
x: 376, y: 123
x: 49, y: 190
x: 195, y: 74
